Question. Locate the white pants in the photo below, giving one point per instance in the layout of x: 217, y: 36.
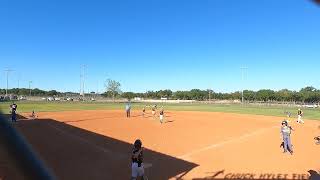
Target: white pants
x: 161, y: 118
x: 153, y: 112
x: 137, y: 171
x: 300, y: 119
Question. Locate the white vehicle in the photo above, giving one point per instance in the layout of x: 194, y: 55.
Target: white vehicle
x: 22, y: 98
x: 310, y: 106
x: 50, y: 99
x: 57, y: 99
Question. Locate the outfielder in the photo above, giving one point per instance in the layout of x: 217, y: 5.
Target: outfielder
x: 288, y: 116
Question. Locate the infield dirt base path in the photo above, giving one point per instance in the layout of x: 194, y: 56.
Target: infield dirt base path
x: 189, y: 145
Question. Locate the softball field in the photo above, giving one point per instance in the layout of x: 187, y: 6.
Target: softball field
x: 96, y: 144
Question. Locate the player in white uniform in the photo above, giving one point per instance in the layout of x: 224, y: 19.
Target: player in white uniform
x: 317, y: 139
x: 161, y: 115
x: 154, y: 110
x: 300, y: 114
x: 137, y: 169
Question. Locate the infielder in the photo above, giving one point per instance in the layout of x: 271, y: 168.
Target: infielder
x: 143, y: 111
x: 161, y: 115
x: 300, y: 114
x: 286, y: 137
x: 317, y: 139
x: 153, y: 110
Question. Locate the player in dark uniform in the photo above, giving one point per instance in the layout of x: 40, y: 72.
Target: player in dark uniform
x: 137, y: 161
x: 33, y: 115
x: 13, y: 108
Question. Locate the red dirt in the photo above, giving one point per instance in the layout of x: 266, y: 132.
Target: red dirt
x: 96, y: 145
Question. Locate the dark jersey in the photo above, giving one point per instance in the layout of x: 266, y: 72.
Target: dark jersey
x: 161, y: 112
x: 14, y: 107
x: 139, y: 159
x: 300, y: 112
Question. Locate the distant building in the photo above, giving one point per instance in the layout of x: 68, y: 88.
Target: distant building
x: 138, y: 99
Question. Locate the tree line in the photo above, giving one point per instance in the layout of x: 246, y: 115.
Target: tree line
x: 306, y: 95
x: 34, y: 92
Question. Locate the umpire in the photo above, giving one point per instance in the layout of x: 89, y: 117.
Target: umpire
x: 128, y: 109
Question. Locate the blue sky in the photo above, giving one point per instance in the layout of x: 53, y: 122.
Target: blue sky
x: 161, y: 44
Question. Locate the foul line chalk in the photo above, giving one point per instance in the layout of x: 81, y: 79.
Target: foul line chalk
x: 232, y: 140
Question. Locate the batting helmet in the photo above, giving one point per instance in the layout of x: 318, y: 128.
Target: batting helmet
x: 137, y: 143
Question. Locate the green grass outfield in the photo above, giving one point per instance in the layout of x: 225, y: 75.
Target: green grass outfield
x: 25, y: 106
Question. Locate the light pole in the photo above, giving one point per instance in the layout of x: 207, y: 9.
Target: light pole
x: 209, y: 92
x: 82, y: 79
x: 243, y: 69
x: 19, y: 81
x: 7, y: 72
x: 30, y: 82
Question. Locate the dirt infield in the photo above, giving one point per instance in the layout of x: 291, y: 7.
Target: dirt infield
x: 190, y: 145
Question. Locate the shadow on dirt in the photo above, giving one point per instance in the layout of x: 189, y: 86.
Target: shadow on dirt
x: 314, y: 175
x: 170, y: 121
x: 74, y: 153
x: 222, y: 175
